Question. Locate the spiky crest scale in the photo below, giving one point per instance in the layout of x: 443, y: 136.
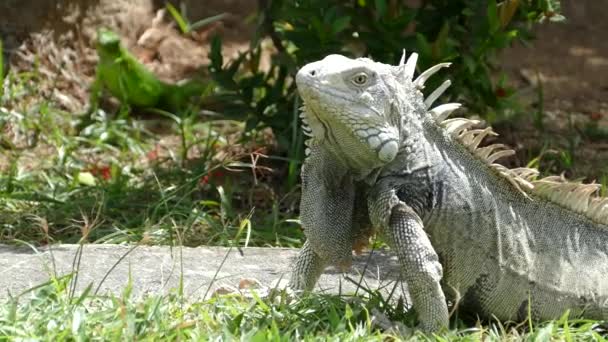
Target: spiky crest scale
x: 576, y: 196
x: 437, y: 93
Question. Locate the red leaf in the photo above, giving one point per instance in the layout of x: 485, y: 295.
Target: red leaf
x: 500, y: 92
x: 105, y: 172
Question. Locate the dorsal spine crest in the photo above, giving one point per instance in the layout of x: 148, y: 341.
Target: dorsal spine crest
x: 578, y: 197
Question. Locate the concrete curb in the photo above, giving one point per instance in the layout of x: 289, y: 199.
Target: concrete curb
x: 157, y: 269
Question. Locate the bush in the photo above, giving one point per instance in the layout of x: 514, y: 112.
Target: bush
x: 465, y: 32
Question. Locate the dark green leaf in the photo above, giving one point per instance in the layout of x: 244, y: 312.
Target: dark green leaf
x: 1, y: 67
x: 207, y: 21
x: 380, y: 8
x: 215, y: 55
x: 340, y: 24
x: 492, y: 13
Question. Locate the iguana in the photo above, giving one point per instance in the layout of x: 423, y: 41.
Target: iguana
x: 495, y: 242
x: 129, y: 80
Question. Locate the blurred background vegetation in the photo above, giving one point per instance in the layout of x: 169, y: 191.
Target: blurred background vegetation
x: 110, y: 153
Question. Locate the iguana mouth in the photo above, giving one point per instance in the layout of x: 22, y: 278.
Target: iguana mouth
x: 311, y: 88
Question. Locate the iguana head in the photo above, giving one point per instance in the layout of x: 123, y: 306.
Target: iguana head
x: 108, y: 42
x: 364, y: 113
x: 349, y: 104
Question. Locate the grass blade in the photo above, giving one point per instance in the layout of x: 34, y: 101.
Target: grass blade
x: 122, y: 257
x: 207, y: 21
x: 179, y: 19
x: 1, y: 66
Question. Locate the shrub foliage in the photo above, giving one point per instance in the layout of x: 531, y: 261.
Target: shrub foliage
x: 465, y: 32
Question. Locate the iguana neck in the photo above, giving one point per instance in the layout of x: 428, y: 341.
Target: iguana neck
x: 366, y: 174
x: 414, y: 123
x: 414, y: 145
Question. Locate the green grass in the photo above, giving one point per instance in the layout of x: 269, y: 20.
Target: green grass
x: 124, y: 179
x: 50, y: 313
x: 1, y: 66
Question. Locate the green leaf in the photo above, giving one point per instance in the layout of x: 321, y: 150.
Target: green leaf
x: 563, y: 321
x: 380, y: 8
x: 263, y: 306
x: 467, y: 12
x: 259, y: 336
x: 209, y: 203
x: 215, y: 55
x: 1, y: 67
x: 469, y: 63
x: 333, y: 317
x: 245, y: 223
x: 440, y: 43
x: 544, y: 333
x: 86, y: 178
x: 207, y: 21
x: 181, y: 22
x: 340, y: 24
x: 348, y: 312
x: 423, y: 46
x: 492, y: 13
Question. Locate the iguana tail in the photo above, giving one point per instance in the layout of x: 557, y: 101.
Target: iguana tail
x: 178, y: 96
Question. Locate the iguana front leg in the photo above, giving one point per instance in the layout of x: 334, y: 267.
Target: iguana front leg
x: 307, y: 269
x: 326, y: 213
x: 420, y: 266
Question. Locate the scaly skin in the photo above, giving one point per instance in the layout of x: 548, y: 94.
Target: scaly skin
x: 459, y: 228
x: 127, y: 79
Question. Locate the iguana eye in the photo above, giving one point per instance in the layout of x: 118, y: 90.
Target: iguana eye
x: 360, y: 79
